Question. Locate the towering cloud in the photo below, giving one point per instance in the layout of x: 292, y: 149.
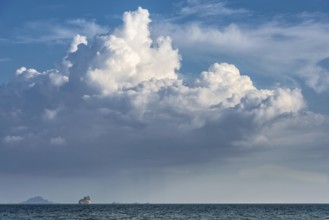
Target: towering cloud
x: 129, y: 57
x: 118, y: 102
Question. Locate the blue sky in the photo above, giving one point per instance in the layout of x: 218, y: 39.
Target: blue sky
x: 148, y: 101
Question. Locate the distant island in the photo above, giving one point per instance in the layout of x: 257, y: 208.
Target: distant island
x: 37, y: 200
x: 85, y: 201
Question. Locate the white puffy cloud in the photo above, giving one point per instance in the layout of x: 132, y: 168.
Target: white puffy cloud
x: 220, y: 88
x: 77, y: 40
x: 129, y: 56
x: 52, y: 77
x: 281, y: 101
x: 27, y: 73
x: 58, y: 79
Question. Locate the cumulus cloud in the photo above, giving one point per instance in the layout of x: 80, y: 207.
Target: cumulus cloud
x: 58, y: 79
x: 119, y: 101
x: 77, y: 40
x: 130, y: 57
x: 27, y: 73
x: 31, y: 76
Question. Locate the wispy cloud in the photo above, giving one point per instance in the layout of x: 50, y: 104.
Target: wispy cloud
x: 210, y: 8
x: 54, y: 32
x: 277, y: 47
x: 12, y: 139
x: 4, y: 59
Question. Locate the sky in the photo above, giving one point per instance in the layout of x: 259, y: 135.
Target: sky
x: 183, y: 101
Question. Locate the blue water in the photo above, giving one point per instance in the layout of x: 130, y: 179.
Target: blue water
x: 168, y: 211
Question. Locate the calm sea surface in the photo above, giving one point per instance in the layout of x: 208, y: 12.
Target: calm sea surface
x: 174, y: 211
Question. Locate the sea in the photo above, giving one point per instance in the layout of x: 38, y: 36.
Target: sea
x: 165, y: 211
